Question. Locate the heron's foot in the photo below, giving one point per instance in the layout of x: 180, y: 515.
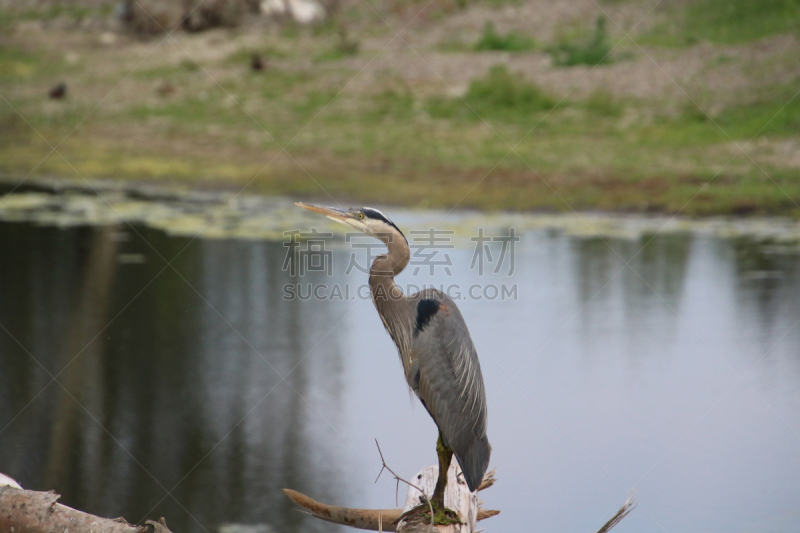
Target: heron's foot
x: 442, y: 516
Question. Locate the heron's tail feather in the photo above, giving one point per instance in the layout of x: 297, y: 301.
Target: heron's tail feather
x: 474, y: 461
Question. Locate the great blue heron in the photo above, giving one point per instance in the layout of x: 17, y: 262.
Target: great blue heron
x: 439, y: 359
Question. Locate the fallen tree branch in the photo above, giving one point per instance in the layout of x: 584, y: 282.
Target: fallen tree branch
x: 375, y: 519
x: 31, y: 511
x: 358, y: 518
x: 371, y: 519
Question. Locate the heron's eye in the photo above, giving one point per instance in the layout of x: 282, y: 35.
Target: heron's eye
x: 361, y: 216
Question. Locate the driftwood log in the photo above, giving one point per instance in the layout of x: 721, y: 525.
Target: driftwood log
x: 457, y: 497
x: 30, y: 511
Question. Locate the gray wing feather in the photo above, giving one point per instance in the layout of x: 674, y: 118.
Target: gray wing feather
x: 450, y: 384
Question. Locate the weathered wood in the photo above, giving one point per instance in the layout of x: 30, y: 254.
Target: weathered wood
x: 7, y: 481
x: 377, y: 519
x: 371, y: 519
x: 359, y: 518
x: 29, y: 511
x: 457, y: 497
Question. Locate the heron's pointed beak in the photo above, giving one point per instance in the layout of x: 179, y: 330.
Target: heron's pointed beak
x: 337, y: 215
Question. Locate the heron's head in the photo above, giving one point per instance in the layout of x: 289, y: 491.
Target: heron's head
x: 366, y: 219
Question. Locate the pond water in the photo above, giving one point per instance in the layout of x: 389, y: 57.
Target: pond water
x: 147, y: 373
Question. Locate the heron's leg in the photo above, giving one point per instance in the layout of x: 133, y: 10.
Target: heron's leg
x: 445, y: 456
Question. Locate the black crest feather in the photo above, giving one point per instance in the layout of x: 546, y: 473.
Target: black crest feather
x: 425, y: 311
x: 377, y: 215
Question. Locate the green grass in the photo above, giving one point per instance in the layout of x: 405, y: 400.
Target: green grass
x: 168, y: 71
x: 313, y: 101
x: 604, y: 104
x: 496, y: 3
x: 244, y: 55
x: 279, y: 83
x: 502, y: 92
x: 726, y: 22
x: 454, y: 42
x: 9, y: 17
x: 16, y: 63
x: 592, y: 50
x: 335, y: 53
x: 772, y: 118
x: 385, y: 151
x: 190, y: 112
x: 736, y: 21
x: 510, y: 42
x: 500, y: 95
x: 345, y: 46
x: 386, y: 139
x: 775, y: 117
x: 394, y: 104
x: 384, y: 148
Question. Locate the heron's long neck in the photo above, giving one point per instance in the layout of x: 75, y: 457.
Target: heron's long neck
x: 388, y: 298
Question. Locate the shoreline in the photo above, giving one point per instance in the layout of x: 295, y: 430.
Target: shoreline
x: 219, y: 214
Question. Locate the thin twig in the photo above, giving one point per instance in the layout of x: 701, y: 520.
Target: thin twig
x: 626, y: 508
x: 399, y: 479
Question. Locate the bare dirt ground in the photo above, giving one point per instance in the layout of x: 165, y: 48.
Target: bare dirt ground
x: 408, y: 47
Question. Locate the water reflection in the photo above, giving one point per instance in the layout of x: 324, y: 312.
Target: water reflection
x: 766, y: 285
x: 632, y: 281
x: 172, y: 376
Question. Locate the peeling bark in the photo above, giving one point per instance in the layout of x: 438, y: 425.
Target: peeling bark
x: 358, y: 518
x: 375, y: 519
x: 457, y: 497
x: 28, y: 511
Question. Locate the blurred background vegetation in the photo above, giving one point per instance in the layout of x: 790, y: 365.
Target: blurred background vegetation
x: 624, y: 105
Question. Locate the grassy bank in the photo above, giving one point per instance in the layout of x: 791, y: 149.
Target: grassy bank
x: 512, y: 129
